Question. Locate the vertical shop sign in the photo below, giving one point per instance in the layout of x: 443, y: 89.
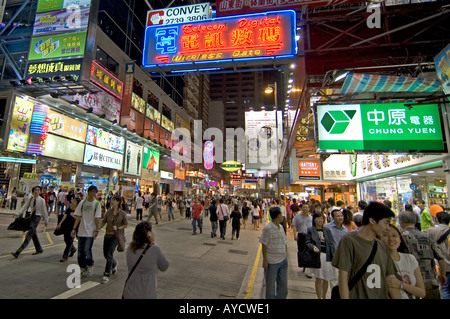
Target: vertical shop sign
x: 20, y: 125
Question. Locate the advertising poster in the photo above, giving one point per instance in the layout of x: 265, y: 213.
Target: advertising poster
x: 66, y: 20
x: 51, y: 5
x: 57, y: 46
x: 101, y: 138
x: 133, y: 158
x: 153, y: 114
x: 66, y: 126
x: 151, y: 159
x: 99, y: 157
x: 20, y: 125
x: 388, y: 126
x: 263, y: 138
x: 138, y: 103
x: 187, y: 13
x: 442, y: 61
x: 101, y: 103
x: 49, y: 69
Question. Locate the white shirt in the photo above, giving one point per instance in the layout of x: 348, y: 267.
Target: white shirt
x: 139, y: 202
x: 89, y: 214
x: 41, y: 207
x: 406, y: 266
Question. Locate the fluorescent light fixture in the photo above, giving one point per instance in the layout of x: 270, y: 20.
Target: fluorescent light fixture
x: 431, y: 172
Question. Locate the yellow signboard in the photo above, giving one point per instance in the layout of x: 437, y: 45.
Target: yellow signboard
x: 20, y: 125
x: 68, y: 127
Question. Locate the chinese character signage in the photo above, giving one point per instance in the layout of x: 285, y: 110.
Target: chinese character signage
x: 52, y: 5
x: 66, y: 126
x: 99, y: 157
x: 208, y: 155
x: 391, y: 126
x: 442, y: 61
x: 101, y: 138
x: 106, y: 80
x: 309, y: 169
x: 63, y: 148
x: 57, y: 46
x: 238, y: 38
x: 49, y: 69
x: 133, y: 158
x: 188, y: 13
x: 20, y: 125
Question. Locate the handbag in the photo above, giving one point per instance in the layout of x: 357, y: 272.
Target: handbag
x: 225, y: 217
x: 335, y: 291
x: 61, y: 230
x: 20, y: 224
x: 308, y: 258
x: 134, y: 267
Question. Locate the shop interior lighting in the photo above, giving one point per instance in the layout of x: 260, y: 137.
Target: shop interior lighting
x: 431, y: 172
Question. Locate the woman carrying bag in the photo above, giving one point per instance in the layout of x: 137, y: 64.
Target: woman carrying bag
x: 144, y: 259
x: 319, y: 240
x: 65, y: 227
x: 115, y: 220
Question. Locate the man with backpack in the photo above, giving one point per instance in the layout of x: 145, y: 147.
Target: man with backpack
x: 88, y: 216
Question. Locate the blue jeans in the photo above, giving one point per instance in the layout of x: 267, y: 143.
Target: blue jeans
x: 214, y: 226
x: 85, y: 257
x: 195, y: 223
x: 276, y: 280
x: 109, y: 246
x: 170, y: 213
x: 445, y: 290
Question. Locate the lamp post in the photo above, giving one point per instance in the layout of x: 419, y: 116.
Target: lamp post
x: 272, y: 89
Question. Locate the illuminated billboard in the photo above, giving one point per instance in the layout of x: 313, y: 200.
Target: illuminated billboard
x: 205, y: 43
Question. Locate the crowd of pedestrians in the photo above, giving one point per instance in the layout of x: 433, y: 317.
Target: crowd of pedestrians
x: 362, y: 253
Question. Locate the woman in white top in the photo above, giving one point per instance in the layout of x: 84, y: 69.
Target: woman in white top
x: 412, y: 285
x: 255, y: 214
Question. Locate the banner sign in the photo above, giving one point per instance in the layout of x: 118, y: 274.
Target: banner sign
x: 63, y: 148
x: 309, y: 169
x: 188, y: 13
x: 50, y: 69
x: 101, y: 103
x: 61, y: 21
x: 66, y: 126
x: 138, y: 103
x: 209, y: 42
x: 166, y: 175
x: 99, y: 157
x: 57, y: 46
x: 442, y: 61
x: 390, y: 126
x: 133, y: 157
x: 98, y: 137
x: 106, y: 80
x: 232, y: 7
x: 153, y: 114
x: 20, y: 125
x: 208, y: 155
x: 151, y: 159
x: 167, y: 124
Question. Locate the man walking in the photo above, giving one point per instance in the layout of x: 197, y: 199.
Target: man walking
x: 197, y: 218
x: 38, y: 209
x: 275, y: 264
x: 88, y: 215
x: 425, y: 249
x: 153, y: 208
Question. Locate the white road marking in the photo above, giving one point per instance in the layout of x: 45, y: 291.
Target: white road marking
x: 75, y: 291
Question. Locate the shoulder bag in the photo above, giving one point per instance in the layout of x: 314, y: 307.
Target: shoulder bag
x: 335, y: 291
x: 225, y: 217
x: 443, y: 237
x: 134, y: 267
x: 120, y: 235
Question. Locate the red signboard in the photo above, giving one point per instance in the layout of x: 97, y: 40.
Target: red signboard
x: 106, y: 80
x: 205, y: 43
x: 233, y: 7
x: 309, y: 169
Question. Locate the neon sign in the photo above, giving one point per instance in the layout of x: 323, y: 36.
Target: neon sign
x: 208, y: 155
x: 106, y: 80
x: 269, y: 35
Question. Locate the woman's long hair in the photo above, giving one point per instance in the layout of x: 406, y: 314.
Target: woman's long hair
x: 140, y: 237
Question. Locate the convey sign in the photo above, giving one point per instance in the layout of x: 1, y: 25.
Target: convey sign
x: 181, y: 14
x: 391, y: 126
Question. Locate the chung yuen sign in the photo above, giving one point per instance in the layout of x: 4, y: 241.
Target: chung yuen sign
x: 391, y: 126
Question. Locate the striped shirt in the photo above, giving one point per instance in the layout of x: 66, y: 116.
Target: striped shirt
x: 274, y: 238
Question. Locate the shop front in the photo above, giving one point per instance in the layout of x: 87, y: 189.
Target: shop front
x: 150, y: 176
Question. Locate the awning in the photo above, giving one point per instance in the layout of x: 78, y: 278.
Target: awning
x: 367, y: 83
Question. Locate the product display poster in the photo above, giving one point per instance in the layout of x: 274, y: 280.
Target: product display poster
x: 20, y: 125
x: 151, y: 159
x: 101, y: 138
x: 133, y: 158
x: 57, y: 46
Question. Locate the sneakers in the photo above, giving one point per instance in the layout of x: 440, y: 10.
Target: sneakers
x: 114, y: 270
x: 104, y: 280
x: 87, y: 272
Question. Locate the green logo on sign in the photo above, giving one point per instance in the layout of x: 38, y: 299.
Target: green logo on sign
x: 336, y: 122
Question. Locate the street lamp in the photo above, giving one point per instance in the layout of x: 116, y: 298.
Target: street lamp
x: 272, y: 89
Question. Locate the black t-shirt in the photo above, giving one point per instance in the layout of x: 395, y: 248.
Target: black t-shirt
x: 70, y: 221
x: 213, y: 213
x: 235, y: 217
x: 295, y: 208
